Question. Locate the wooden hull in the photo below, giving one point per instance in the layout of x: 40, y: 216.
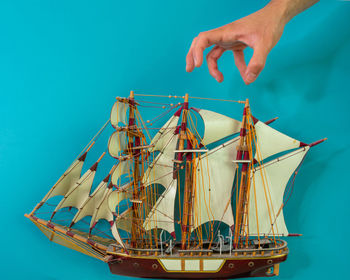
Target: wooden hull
x: 196, y: 267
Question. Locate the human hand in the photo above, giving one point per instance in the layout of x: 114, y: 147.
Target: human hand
x: 260, y: 31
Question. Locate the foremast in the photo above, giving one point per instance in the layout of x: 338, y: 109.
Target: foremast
x: 134, y: 137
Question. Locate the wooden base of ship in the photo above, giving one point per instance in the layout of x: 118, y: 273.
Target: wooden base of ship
x: 196, y: 267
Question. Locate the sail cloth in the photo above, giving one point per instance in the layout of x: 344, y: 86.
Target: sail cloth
x: 162, y: 214
x: 117, y: 143
x: 271, y: 141
x: 217, y: 126
x: 123, y: 221
x: 122, y: 168
x: 104, y: 210
x: 161, y: 172
x: 91, y: 202
x: 215, y: 173
x: 80, y: 191
x: 116, y: 235
x: 164, y: 135
x: 118, y: 113
x: 267, y: 186
x: 67, y: 180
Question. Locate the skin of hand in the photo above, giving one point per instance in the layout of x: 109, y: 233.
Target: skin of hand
x: 260, y: 31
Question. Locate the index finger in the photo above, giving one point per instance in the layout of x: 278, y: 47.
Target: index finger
x: 203, y: 41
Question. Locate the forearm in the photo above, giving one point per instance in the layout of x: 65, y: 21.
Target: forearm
x: 290, y: 8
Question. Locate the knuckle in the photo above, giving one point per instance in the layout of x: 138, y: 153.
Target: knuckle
x: 208, y: 56
x: 257, y: 66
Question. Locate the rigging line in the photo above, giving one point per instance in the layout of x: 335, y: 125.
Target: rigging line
x: 265, y: 187
x: 158, y: 157
x: 250, y: 153
x: 293, y: 180
x: 150, y: 106
x: 194, y: 126
x: 216, y: 99
x: 208, y: 208
x: 286, y: 156
x: 193, y: 97
x: 251, y: 141
x: 230, y: 142
x: 290, y: 186
x: 140, y: 119
x: 155, y: 119
x: 94, y: 138
x: 82, y: 220
x: 149, y: 220
x: 151, y: 102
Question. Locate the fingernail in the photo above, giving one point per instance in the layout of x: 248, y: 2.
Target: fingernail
x: 251, y: 77
x: 195, y: 61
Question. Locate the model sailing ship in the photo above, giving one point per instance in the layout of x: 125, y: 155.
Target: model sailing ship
x: 181, y: 205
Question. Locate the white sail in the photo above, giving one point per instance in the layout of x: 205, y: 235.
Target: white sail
x: 271, y: 142
x: 67, y: 180
x: 122, y: 168
x: 162, y: 214
x: 116, y: 235
x: 118, y: 113
x: 217, y: 126
x: 104, y: 211
x: 161, y: 172
x: 80, y: 192
x: 89, y: 206
x: 214, y: 180
x: 164, y: 135
x: 117, y: 143
x: 161, y: 169
x: 266, y: 193
x: 124, y: 220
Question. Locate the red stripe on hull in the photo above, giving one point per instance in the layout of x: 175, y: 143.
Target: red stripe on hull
x: 232, y: 268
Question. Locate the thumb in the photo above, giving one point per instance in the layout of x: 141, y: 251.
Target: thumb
x: 256, y: 64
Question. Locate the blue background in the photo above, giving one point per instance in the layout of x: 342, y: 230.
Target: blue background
x: 63, y: 62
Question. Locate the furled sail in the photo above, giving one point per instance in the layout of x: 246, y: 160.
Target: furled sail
x: 118, y: 113
x: 117, y: 143
x: 271, y: 141
x: 67, y: 180
x: 214, y: 177
x: 80, y: 192
x: 217, y: 126
x: 122, y: 168
x: 89, y: 206
x: 266, y: 193
x: 161, y: 172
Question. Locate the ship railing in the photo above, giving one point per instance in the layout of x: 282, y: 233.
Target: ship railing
x: 193, y: 252
x: 281, y: 246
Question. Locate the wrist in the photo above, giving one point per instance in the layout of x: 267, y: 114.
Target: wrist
x: 280, y: 10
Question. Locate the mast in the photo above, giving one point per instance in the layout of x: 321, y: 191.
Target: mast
x: 134, y: 141
x: 242, y: 154
x: 186, y: 222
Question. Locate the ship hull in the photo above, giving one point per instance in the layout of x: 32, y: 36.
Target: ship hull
x: 196, y: 268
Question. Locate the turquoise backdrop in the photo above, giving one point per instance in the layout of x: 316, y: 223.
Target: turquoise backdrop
x: 63, y: 62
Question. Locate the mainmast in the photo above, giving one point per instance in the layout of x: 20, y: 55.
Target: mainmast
x: 242, y: 157
x: 186, y: 222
